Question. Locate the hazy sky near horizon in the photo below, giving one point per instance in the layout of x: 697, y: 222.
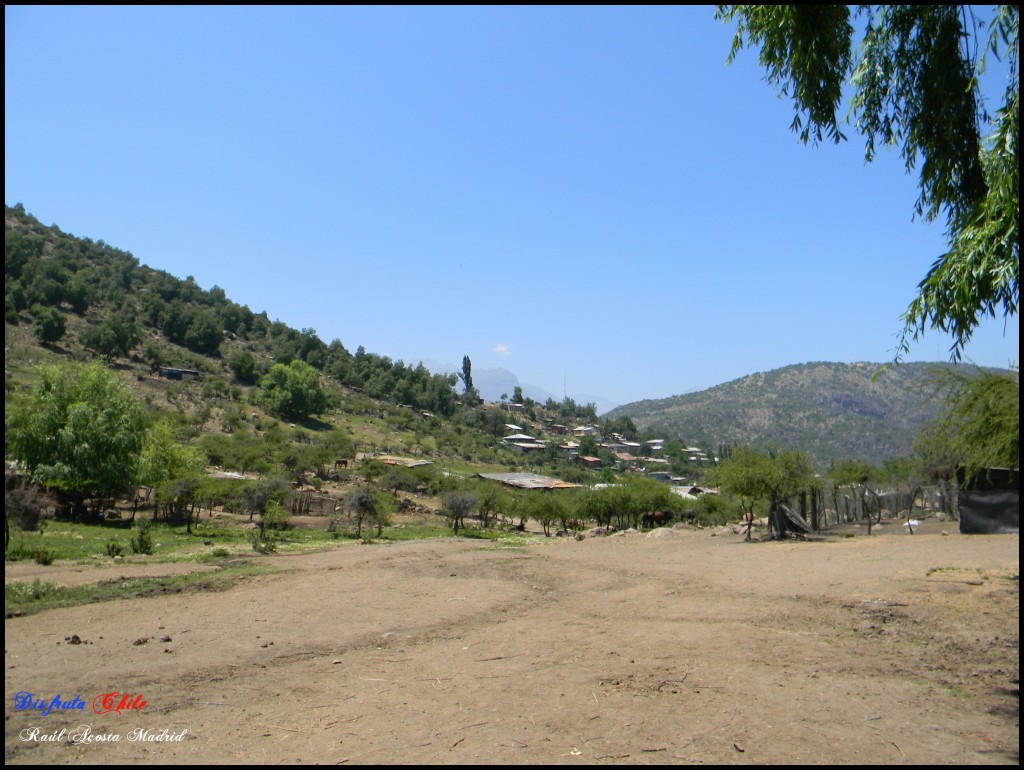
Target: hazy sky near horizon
x: 590, y: 197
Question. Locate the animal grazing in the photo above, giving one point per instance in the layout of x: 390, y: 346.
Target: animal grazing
x: 657, y: 519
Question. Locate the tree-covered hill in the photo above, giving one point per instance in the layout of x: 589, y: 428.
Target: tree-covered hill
x: 112, y: 306
x: 831, y: 411
x: 72, y: 296
x: 68, y: 297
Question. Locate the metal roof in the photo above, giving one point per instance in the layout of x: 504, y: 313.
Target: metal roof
x: 528, y: 481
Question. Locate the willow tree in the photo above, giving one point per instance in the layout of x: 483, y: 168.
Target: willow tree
x: 916, y: 86
x: 979, y: 424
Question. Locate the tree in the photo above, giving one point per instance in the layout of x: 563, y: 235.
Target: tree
x: 457, y: 505
x: 366, y: 507
x: 588, y: 446
x: 471, y: 396
x: 294, y: 391
x: 117, y: 335
x: 205, y: 332
x: 49, y: 324
x: 752, y: 476
x: 492, y: 500
x: 916, y: 85
x: 164, y: 458
x: 243, y: 365
x: 78, y: 433
x: 980, y: 420
x: 546, y: 508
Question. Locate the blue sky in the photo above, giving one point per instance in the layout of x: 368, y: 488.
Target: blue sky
x: 589, y: 197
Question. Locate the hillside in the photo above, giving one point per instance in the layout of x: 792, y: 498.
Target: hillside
x: 73, y: 297
x: 828, y: 410
x: 97, y: 301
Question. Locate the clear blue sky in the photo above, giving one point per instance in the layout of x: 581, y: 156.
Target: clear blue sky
x: 587, y: 196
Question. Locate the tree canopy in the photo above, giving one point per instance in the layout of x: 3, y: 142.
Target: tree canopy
x: 752, y: 475
x: 79, y: 432
x: 916, y: 80
x: 980, y: 424
x: 164, y: 457
x: 294, y: 390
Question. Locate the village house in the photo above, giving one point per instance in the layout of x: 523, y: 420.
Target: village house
x: 524, y: 443
x: 655, y: 445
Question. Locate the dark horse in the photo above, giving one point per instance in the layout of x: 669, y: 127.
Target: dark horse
x: 657, y: 519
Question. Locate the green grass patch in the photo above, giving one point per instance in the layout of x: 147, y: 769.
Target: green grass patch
x: 72, y: 541
x: 81, y: 542
x: 27, y: 598
x: 211, y: 541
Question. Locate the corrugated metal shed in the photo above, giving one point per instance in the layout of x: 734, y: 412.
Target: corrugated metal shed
x: 528, y: 481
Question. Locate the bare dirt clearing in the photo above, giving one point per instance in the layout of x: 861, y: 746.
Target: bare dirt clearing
x: 684, y: 647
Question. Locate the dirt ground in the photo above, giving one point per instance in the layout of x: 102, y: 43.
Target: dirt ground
x: 678, y: 646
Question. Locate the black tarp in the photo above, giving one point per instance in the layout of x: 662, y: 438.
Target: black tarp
x: 795, y: 521
x: 990, y: 503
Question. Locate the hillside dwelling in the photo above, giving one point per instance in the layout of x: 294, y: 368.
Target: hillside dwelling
x: 632, y: 447
x: 586, y: 430
x: 526, y: 448
x: 655, y: 445
x: 594, y: 463
x: 660, y: 475
x: 523, y: 443
x: 559, y: 430
x: 513, y: 407
x: 171, y: 373
x: 513, y: 428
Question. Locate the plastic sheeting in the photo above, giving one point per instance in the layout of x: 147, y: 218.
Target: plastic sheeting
x: 991, y: 505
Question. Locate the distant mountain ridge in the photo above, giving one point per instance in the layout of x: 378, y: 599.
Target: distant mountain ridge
x: 493, y: 382
x: 831, y: 411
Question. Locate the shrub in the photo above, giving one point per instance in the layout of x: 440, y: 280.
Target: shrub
x: 142, y: 541
x: 24, y: 507
x: 262, y: 542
